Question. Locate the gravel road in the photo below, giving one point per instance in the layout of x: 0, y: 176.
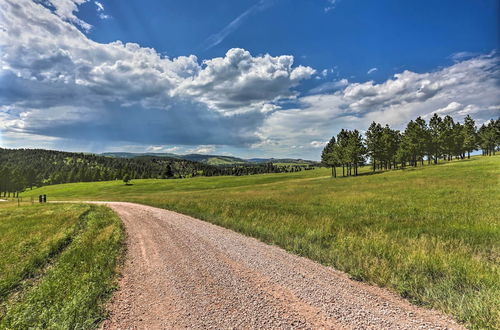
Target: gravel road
x: 181, y: 272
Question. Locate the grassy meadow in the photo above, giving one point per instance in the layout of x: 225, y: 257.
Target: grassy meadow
x: 58, y: 264
x: 431, y: 234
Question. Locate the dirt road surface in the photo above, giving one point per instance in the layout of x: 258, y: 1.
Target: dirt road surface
x: 181, y: 272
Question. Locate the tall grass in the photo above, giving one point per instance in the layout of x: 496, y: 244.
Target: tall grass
x: 71, y: 293
x: 29, y: 237
x: 431, y: 234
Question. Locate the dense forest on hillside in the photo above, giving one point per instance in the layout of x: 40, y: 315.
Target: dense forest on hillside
x: 26, y: 168
x: 214, y: 159
x: 386, y: 148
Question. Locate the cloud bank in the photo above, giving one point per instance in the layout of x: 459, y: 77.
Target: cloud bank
x: 59, y: 83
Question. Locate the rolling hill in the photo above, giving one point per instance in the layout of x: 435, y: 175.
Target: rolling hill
x: 22, y: 168
x: 213, y: 159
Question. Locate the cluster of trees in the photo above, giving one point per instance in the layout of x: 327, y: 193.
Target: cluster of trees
x: 250, y: 169
x: 386, y: 148
x: 347, y: 151
x: 27, y: 168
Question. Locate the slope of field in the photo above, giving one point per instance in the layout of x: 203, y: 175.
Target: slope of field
x: 431, y: 234
x: 57, y: 265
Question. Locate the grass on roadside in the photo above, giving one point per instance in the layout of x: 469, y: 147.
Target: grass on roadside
x: 432, y: 234
x: 30, y: 236
x: 85, y: 244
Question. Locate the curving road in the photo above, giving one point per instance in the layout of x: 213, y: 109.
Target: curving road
x: 181, y: 272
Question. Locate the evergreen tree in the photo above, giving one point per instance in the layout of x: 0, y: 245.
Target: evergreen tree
x: 355, y: 150
x: 436, y: 137
x: 390, y: 142
x: 329, y: 156
x: 448, y: 136
x: 342, y: 154
x: 469, y: 132
x: 489, y: 137
x: 458, y: 141
x: 374, y: 143
x: 126, y: 178
x: 409, y: 146
x: 422, y: 138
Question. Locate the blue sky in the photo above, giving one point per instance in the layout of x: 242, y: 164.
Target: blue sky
x: 248, y: 78
x: 354, y: 36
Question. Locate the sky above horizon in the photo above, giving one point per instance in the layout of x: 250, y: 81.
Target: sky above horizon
x: 249, y: 78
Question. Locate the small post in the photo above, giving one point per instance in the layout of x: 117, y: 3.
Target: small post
x: 40, y: 199
x: 45, y: 198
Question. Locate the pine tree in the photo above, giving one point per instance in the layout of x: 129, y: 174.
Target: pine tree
x: 435, y: 137
x: 329, y: 156
x: 355, y: 150
x: 422, y: 138
x: 342, y: 154
x: 448, y: 136
x: 458, y: 141
x: 374, y: 143
x: 390, y: 142
x: 469, y: 132
x: 489, y: 137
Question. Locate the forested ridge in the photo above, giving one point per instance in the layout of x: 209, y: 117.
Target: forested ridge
x: 27, y: 168
x: 386, y: 148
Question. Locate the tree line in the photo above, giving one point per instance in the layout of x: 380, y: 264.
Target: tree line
x: 386, y: 148
x: 28, y: 168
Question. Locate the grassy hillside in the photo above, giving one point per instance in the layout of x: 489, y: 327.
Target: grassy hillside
x: 145, y: 189
x: 223, y: 161
x: 432, y: 234
x: 57, y: 265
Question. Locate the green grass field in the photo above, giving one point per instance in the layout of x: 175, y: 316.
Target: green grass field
x: 430, y: 234
x: 58, y: 264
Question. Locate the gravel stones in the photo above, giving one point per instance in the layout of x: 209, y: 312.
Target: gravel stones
x: 181, y: 272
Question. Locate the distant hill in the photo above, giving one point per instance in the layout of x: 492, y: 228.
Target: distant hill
x: 214, y: 159
x: 134, y: 154
x: 22, y: 168
x: 283, y: 161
